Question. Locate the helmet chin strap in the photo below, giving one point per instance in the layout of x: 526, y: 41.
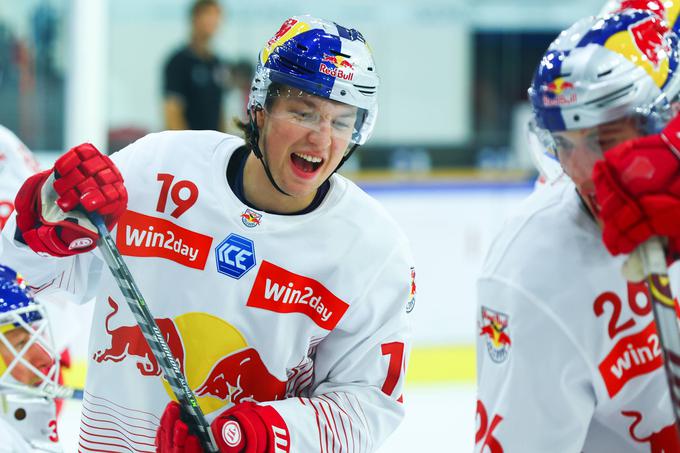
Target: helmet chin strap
x: 255, y: 146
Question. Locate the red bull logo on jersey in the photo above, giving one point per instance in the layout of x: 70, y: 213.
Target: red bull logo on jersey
x: 664, y: 441
x: 279, y: 290
x: 127, y: 342
x: 412, y: 295
x: 632, y: 356
x: 559, y: 92
x: 250, y: 218
x: 146, y: 236
x: 242, y: 376
x: 218, y: 363
x: 494, y: 326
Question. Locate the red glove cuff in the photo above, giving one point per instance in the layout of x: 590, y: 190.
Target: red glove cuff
x: 249, y: 428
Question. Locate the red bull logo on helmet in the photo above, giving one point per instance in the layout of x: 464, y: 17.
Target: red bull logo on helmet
x: 290, y: 29
x: 337, y: 66
x: 645, y: 44
x: 219, y: 365
x: 494, y: 326
x: 559, y: 92
x: 279, y: 290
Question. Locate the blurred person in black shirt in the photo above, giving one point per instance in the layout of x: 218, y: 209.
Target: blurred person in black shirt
x: 194, y: 78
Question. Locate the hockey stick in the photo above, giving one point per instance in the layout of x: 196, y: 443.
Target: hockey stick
x: 153, y: 336
x: 656, y: 275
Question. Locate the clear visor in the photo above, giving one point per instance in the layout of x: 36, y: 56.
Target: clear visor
x: 299, y: 109
x: 543, y: 155
x: 30, y: 347
x: 577, y: 150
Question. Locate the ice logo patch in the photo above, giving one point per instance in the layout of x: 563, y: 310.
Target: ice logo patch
x: 235, y: 256
x: 250, y: 218
x: 494, y: 326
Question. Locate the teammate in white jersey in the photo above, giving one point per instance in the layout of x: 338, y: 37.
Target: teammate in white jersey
x: 28, y: 371
x: 283, y: 290
x: 568, y: 353
x: 16, y: 164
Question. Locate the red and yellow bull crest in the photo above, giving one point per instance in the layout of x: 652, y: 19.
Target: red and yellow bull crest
x: 219, y: 365
x: 250, y: 218
x: 290, y: 29
x: 559, y: 92
x: 494, y: 326
x: 412, y: 292
x: 644, y: 44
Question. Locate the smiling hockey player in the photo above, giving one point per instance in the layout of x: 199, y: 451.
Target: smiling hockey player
x: 281, y: 288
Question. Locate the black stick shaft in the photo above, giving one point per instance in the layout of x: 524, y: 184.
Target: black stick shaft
x: 654, y: 263
x: 154, y: 337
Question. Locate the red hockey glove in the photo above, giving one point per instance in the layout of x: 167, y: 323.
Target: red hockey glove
x: 245, y: 428
x: 82, y: 177
x: 638, y: 191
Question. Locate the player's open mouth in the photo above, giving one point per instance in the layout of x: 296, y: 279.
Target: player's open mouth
x: 306, y: 162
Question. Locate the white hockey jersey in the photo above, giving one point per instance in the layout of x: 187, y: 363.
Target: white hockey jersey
x: 568, y: 356
x: 16, y: 164
x: 28, y: 424
x: 306, y: 313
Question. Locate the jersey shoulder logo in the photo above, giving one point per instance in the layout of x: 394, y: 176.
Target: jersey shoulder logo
x: 279, y: 290
x: 412, y: 292
x: 494, y: 326
x: 250, y: 218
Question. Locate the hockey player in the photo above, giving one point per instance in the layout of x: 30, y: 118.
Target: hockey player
x: 568, y: 353
x: 27, y: 371
x: 281, y: 288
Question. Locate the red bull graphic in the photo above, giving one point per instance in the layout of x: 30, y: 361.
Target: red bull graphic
x: 412, y: 295
x: 494, y: 326
x: 337, y: 66
x: 645, y: 44
x: 279, y: 290
x: 146, y: 236
x: 219, y: 365
x: 664, y: 441
x: 240, y: 377
x: 632, y: 356
x: 128, y: 342
x: 290, y: 29
x: 250, y: 218
x: 559, y: 92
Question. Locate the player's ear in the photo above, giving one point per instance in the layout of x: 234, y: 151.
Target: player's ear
x: 259, y: 118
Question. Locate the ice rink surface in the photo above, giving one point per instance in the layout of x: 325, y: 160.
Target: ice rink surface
x: 439, y: 418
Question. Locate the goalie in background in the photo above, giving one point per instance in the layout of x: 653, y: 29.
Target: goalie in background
x: 28, y: 371
x: 568, y: 356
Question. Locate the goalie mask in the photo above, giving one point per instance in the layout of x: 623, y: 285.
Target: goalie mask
x: 311, y: 57
x: 28, y: 360
x: 603, y: 81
